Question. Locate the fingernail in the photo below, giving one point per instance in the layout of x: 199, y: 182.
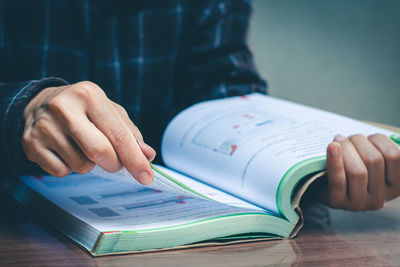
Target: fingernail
x: 334, y: 150
x: 339, y: 138
x: 144, y: 178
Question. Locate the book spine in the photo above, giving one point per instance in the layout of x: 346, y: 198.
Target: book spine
x: 96, y: 244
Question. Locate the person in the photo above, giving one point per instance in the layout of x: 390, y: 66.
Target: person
x: 79, y: 79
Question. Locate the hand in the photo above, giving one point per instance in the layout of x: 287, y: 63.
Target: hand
x: 363, y: 172
x: 71, y: 128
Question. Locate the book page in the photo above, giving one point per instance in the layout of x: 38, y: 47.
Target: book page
x: 111, y: 205
x: 162, y: 181
x: 245, y: 145
x: 174, y: 182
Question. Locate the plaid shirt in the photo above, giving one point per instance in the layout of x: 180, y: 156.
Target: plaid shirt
x: 152, y: 57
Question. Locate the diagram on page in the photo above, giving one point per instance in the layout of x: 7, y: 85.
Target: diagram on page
x: 227, y: 133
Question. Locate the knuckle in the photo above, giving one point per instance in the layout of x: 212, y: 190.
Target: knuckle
x: 118, y: 136
x: 119, y: 108
x: 358, y: 173
x: 72, y: 126
x: 374, y: 160
x: 96, y: 152
x: 57, y: 104
x: 86, y: 89
x: 43, y: 126
x: 87, y: 84
x: 60, y: 106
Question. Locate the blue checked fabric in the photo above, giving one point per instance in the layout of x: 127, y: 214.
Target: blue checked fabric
x: 152, y: 57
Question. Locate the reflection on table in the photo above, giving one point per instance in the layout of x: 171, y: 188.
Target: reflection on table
x: 330, y: 237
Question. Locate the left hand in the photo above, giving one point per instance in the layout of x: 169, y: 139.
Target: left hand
x: 363, y: 172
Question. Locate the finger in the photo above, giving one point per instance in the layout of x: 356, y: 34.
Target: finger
x: 357, y: 175
x: 71, y: 154
x: 337, y: 184
x: 53, y: 137
x: 375, y: 164
x: 94, y: 144
x: 148, y: 151
x: 74, y: 122
x: 110, y: 123
x: 48, y: 161
x: 391, y: 155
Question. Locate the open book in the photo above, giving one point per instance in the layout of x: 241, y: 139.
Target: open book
x: 236, y: 170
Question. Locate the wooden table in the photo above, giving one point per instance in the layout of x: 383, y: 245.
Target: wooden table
x: 346, y: 239
x: 329, y: 238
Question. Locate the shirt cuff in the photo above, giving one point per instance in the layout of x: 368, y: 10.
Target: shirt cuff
x: 14, y: 123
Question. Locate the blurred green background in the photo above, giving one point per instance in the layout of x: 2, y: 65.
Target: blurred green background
x: 339, y: 55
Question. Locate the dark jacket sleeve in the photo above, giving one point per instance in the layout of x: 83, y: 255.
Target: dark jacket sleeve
x: 15, y: 96
x: 216, y: 59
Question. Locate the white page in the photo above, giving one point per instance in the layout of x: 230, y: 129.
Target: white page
x: 180, y: 185
x: 208, y: 191
x: 160, y: 181
x: 244, y: 145
x: 111, y: 205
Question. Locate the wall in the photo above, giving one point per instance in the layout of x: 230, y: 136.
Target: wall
x: 340, y: 55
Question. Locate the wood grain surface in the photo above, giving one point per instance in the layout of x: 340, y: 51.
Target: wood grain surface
x: 330, y: 238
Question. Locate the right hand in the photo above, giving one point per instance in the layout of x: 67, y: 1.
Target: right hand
x: 71, y: 128
x: 363, y: 172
